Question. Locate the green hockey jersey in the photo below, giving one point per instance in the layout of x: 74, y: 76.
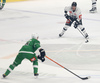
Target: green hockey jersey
x: 31, y: 46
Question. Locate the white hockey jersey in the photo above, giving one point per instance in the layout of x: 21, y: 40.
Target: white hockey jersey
x: 77, y: 14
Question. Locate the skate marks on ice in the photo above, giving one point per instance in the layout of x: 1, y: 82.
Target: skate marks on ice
x: 44, y: 13
x: 74, y: 56
x: 12, y: 15
x: 82, y: 56
x: 25, y: 77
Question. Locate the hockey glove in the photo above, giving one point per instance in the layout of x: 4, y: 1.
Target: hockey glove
x: 42, y: 59
x: 76, y: 24
x: 67, y: 16
x: 42, y: 53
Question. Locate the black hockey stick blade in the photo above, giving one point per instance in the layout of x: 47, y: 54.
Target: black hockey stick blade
x: 86, y: 78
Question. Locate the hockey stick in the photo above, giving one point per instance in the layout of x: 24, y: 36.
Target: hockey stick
x: 83, y: 35
x: 85, y: 78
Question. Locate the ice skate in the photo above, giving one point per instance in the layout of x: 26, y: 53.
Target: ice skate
x: 61, y: 34
x: 36, y: 76
x: 4, y: 75
x: 93, y: 10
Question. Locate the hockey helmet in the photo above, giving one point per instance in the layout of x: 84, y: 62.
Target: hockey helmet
x: 74, y: 4
x: 35, y: 35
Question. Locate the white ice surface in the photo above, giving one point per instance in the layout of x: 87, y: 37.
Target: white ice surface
x: 18, y: 20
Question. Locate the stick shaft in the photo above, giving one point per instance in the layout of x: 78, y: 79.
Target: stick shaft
x: 54, y: 61
x: 63, y: 67
x: 81, y: 33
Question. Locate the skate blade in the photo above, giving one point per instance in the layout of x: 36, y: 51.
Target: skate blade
x: 93, y: 11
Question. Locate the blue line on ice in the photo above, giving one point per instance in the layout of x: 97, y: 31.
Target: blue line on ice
x: 47, y: 14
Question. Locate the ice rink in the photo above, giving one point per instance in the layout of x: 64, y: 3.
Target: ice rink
x: 19, y: 20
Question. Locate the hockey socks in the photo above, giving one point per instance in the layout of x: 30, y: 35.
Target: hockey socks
x: 35, y: 67
x: 8, y: 71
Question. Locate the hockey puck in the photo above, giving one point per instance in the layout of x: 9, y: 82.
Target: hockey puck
x: 86, y: 41
x: 86, y: 78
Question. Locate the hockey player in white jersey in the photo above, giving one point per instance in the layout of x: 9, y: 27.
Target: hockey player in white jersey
x: 94, y: 8
x: 73, y: 14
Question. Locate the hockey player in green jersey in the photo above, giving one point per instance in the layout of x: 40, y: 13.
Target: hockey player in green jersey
x: 2, y: 4
x: 28, y: 52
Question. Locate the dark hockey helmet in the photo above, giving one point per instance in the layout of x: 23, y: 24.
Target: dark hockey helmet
x: 74, y: 4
